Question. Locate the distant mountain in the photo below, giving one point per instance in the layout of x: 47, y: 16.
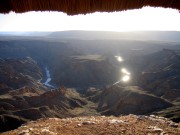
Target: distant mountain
x: 24, y: 33
x: 167, y: 36
x: 170, y: 36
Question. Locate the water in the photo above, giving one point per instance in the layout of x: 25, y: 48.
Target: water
x: 47, y: 82
x: 125, y: 71
x: 125, y: 75
x: 119, y: 58
x: 125, y: 78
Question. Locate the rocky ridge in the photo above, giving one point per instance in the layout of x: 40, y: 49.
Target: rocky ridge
x: 17, y: 73
x: 117, y: 100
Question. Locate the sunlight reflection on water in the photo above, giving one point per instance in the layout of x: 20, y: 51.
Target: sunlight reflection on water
x: 124, y: 71
x: 119, y: 58
x: 125, y: 78
x: 125, y: 75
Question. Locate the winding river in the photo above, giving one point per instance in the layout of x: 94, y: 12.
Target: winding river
x: 47, y: 82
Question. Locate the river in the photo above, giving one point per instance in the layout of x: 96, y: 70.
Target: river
x: 47, y: 82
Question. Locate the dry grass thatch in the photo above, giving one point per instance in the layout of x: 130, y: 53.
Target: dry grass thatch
x: 72, y: 7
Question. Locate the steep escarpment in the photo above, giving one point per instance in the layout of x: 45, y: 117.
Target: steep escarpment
x: 158, y: 74
x: 161, y: 74
x: 68, y: 65
x: 86, y: 71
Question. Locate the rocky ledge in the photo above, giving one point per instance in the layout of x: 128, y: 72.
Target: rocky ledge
x: 100, y: 125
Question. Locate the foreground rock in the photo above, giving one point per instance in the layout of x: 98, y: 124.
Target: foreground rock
x: 130, y: 124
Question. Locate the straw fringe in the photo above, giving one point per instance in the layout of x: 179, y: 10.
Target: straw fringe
x: 73, y: 7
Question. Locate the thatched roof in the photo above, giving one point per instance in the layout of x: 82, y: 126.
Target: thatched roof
x: 73, y: 7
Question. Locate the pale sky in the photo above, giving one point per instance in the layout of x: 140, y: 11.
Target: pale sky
x: 146, y: 19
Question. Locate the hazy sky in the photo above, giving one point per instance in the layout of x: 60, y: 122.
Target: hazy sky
x: 147, y: 18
